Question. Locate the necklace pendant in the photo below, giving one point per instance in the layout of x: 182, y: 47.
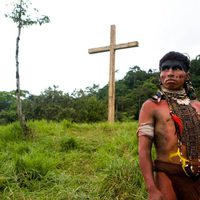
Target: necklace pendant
x: 185, y: 101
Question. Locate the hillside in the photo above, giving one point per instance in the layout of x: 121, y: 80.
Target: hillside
x: 70, y: 161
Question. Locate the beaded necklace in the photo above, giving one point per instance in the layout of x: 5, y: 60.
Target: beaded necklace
x: 187, y: 125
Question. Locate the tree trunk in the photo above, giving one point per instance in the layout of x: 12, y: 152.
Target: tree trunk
x: 21, y: 117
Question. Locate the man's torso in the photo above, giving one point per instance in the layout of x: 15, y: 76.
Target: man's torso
x: 166, y: 138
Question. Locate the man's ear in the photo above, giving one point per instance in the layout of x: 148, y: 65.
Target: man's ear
x: 188, y: 76
x: 159, y: 80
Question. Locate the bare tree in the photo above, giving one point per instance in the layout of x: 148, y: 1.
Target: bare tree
x: 22, y: 18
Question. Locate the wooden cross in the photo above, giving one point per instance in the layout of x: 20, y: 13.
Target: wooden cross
x: 113, y: 46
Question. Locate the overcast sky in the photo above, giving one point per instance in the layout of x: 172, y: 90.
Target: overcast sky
x: 57, y: 53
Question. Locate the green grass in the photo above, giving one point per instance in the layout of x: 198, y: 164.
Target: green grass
x: 68, y: 161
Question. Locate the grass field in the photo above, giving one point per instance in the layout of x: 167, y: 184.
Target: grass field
x: 67, y: 161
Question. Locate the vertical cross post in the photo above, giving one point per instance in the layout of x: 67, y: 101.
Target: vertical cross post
x: 112, y: 47
x: 111, y: 89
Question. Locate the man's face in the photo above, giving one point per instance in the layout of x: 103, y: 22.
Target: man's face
x: 172, y: 75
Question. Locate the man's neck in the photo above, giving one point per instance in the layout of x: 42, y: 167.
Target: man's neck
x: 179, y: 91
x: 179, y: 96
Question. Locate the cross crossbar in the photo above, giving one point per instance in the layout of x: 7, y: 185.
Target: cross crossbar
x: 112, y: 47
x: 116, y: 47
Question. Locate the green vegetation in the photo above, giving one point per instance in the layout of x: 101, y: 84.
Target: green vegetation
x: 90, y: 105
x: 65, y: 160
x: 72, y: 153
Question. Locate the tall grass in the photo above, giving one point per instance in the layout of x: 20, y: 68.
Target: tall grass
x: 64, y: 161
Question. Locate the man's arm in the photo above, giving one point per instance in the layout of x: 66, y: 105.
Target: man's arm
x: 146, y: 166
x: 144, y: 148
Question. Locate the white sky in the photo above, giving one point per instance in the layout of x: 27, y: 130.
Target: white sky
x: 57, y: 53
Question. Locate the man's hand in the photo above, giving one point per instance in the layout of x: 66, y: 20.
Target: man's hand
x: 155, y: 194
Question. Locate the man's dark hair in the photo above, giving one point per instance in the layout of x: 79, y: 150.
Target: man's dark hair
x: 173, y: 55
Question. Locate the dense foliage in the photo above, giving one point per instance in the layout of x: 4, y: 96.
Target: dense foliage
x: 90, y: 105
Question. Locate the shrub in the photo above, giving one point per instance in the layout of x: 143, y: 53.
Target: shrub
x: 68, y: 144
x: 11, y: 132
x: 33, y: 167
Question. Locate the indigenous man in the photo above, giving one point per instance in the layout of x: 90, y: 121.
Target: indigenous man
x: 171, y: 121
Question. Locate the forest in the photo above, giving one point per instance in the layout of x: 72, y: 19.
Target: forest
x: 90, y: 104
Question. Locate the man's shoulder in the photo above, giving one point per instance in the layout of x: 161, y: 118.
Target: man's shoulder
x: 153, y: 104
x: 149, y: 104
x: 195, y: 103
